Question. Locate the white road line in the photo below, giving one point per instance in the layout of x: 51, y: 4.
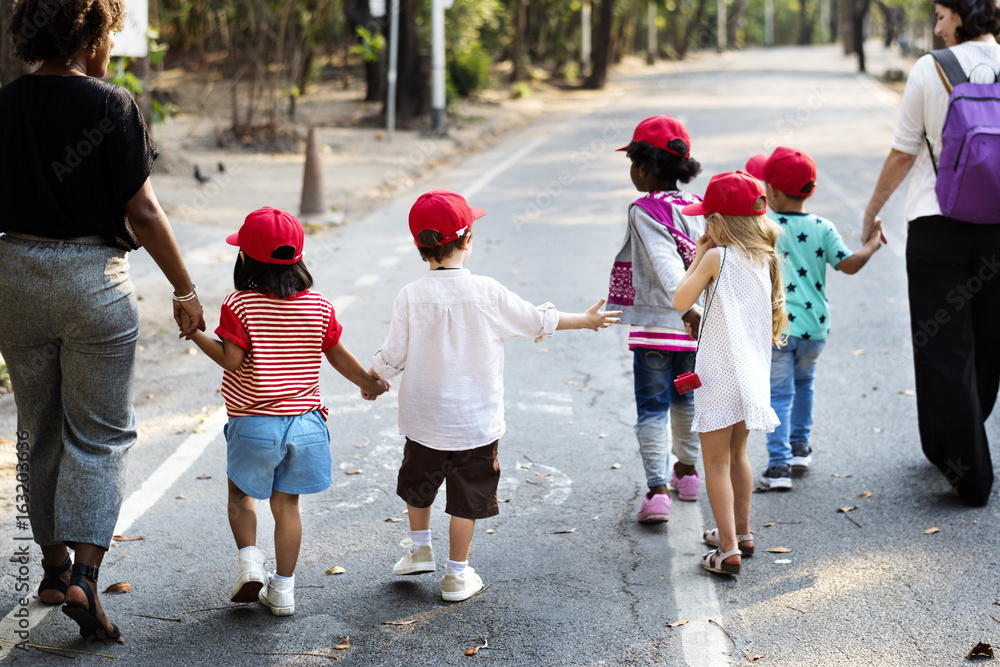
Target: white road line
x: 386, y: 262
x: 704, y: 644
x: 484, y: 180
x: 366, y: 280
x: 134, y: 507
x: 341, y: 303
x: 542, y: 407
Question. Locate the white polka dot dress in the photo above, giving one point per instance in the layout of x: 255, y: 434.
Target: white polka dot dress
x: 734, y: 353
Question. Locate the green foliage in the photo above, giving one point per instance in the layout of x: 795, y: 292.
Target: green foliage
x: 4, y: 378
x: 122, y: 77
x: 371, y: 46
x: 469, y: 70
x: 520, y: 89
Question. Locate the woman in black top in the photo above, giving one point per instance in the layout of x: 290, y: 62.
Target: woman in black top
x: 75, y: 197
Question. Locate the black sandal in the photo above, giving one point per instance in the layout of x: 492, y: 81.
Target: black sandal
x: 90, y: 625
x: 51, y: 580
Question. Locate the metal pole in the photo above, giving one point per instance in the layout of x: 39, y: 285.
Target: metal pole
x: 651, y: 51
x: 437, y: 66
x: 769, y: 22
x: 390, y: 107
x: 721, y: 25
x: 585, y: 38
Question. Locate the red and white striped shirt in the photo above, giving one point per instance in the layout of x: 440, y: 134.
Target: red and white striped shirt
x: 284, y: 340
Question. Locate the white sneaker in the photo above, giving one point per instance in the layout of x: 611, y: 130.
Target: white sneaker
x: 456, y: 589
x: 415, y: 562
x: 279, y: 596
x: 251, y: 577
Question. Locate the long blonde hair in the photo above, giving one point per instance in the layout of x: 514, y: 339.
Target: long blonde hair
x: 757, y: 236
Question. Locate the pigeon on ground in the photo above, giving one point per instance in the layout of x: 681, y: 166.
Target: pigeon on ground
x: 200, y: 177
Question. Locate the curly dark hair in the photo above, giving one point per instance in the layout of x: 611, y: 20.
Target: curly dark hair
x: 43, y: 29
x: 978, y: 17
x: 280, y: 280
x: 667, y: 167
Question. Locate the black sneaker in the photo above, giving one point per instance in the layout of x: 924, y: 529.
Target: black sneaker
x: 777, y: 477
x: 801, y: 457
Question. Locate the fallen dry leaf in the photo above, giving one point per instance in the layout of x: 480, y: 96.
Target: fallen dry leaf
x: 203, y: 477
x: 755, y: 658
x: 364, y: 444
x: 475, y: 649
x: 489, y: 531
x: 616, y: 466
x: 393, y: 519
x: 778, y: 550
x: 602, y: 435
x: 782, y: 561
x: 845, y: 510
x: 683, y: 621
x: 857, y: 353
x: 344, y: 644
x: 773, y: 523
x: 526, y: 466
x: 981, y: 650
x: 120, y: 587
x: 398, y: 622
x: 544, y: 474
x: 839, y: 474
x: 180, y: 431
x: 865, y: 494
x: 198, y: 429
x: 353, y: 472
x: 557, y: 532
x: 907, y: 392
x: 932, y: 530
x: 181, y: 497
x: 336, y: 569
x: 122, y: 538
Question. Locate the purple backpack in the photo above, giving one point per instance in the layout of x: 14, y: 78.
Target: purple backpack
x: 968, y: 172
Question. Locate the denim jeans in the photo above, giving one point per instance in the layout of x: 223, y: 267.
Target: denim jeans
x: 793, y: 368
x: 68, y: 333
x: 656, y: 397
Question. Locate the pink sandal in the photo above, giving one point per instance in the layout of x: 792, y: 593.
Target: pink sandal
x: 715, y: 561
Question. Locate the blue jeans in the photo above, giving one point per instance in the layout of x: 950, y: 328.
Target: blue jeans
x: 793, y: 369
x: 656, y: 398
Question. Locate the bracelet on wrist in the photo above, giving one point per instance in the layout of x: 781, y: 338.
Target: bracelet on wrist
x: 193, y: 294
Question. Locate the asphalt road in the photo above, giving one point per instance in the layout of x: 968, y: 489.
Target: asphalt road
x: 572, y: 578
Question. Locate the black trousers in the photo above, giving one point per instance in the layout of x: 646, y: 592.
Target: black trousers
x: 953, y: 279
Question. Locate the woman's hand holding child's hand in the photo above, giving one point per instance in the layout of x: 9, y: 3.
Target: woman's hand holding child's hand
x: 381, y: 385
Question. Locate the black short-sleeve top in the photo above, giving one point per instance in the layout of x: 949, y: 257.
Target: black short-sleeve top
x: 73, y: 151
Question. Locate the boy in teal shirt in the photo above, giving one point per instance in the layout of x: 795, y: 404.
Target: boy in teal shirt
x: 808, y: 243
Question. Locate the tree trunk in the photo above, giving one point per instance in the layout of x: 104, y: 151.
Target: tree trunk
x: 413, y: 69
x: 692, y: 28
x: 805, y: 25
x: 517, y: 52
x: 602, y: 46
x: 733, y: 23
x: 858, y: 31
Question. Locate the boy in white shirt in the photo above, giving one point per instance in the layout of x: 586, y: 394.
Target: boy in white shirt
x: 451, y: 398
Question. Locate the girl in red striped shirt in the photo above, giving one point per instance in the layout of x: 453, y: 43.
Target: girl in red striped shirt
x: 274, y: 333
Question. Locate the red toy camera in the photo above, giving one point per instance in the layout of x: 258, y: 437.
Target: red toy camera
x: 685, y: 382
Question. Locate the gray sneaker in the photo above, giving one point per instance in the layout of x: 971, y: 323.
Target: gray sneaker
x: 801, y: 457
x: 415, y: 562
x: 456, y: 589
x: 777, y: 477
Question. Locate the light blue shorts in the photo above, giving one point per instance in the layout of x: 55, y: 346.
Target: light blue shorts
x: 268, y: 453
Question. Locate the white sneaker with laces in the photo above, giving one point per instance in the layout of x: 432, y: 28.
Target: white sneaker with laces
x: 279, y: 595
x: 415, y: 561
x: 456, y: 589
x: 251, y: 578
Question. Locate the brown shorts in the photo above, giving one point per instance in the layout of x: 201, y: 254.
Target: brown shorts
x: 472, y: 474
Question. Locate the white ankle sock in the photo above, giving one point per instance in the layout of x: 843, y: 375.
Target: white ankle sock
x: 420, y: 538
x: 278, y: 576
x: 252, y: 546
x: 456, y: 567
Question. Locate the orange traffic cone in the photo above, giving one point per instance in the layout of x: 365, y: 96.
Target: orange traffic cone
x: 312, y: 209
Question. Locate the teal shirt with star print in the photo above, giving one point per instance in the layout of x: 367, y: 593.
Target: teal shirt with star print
x: 807, y: 244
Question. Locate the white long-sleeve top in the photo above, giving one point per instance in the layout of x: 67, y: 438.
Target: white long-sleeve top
x: 925, y: 105
x: 447, y: 332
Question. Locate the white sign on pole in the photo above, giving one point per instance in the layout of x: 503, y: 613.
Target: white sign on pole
x: 132, y: 41
x: 377, y: 8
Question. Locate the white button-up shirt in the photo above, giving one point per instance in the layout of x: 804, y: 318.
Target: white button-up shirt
x: 447, y: 332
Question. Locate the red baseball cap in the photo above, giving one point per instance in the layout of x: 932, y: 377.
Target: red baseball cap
x: 659, y: 131
x: 731, y: 193
x: 442, y: 211
x: 788, y: 170
x: 270, y: 235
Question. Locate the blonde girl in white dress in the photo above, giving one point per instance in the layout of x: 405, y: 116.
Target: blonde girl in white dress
x: 737, y: 269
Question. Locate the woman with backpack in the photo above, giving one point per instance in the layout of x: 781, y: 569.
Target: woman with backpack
x: 953, y: 239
